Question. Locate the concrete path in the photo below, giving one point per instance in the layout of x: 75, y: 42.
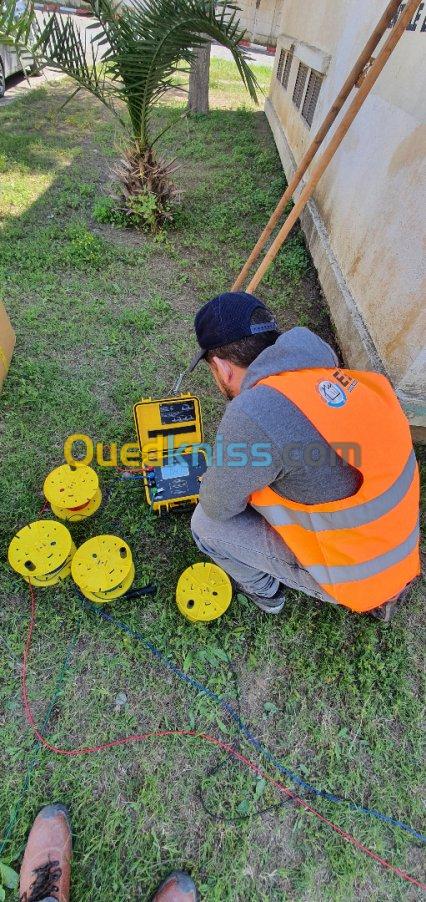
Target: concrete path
x: 17, y: 85
x: 256, y: 54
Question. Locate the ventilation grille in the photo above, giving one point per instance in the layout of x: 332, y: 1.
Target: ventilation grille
x: 311, y: 96
x: 287, y: 67
x: 299, y: 87
x: 280, y: 65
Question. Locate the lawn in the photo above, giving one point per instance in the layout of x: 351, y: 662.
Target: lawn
x: 104, y: 317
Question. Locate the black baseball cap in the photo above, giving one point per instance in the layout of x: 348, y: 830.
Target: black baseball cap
x: 227, y: 318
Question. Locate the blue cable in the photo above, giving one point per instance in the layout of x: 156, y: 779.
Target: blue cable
x: 244, y: 729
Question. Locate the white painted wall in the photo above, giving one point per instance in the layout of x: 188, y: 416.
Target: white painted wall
x: 372, y: 198
x: 261, y: 20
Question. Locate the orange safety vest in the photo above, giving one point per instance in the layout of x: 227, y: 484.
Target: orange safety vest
x: 362, y: 550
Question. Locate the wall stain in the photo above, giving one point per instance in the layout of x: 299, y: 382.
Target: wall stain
x: 410, y: 151
x: 407, y: 325
x: 354, y: 265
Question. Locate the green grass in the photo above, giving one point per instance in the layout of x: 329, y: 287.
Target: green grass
x: 104, y: 317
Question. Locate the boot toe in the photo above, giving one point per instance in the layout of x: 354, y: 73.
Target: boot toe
x: 177, y: 887
x: 45, y: 866
x: 52, y: 811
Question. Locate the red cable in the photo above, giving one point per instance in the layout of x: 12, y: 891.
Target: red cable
x: 205, y: 737
x: 80, y: 506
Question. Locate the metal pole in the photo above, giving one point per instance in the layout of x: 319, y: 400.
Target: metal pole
x: 363, y: 92
x: 354, y: 75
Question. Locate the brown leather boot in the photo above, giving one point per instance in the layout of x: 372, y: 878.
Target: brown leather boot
x: 385, y: 612
x: 177, y: 887
x: 45, y: 869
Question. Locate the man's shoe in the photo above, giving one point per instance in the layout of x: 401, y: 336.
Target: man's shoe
x: 385, y: 612
x: 273, y: 605
x: 177, y: 887
x: 45, y: 869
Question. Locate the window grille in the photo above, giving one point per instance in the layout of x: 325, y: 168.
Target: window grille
x: 280, y: 65
x: 311, y: 96
x: 287, y: 67
x: 299, y: 87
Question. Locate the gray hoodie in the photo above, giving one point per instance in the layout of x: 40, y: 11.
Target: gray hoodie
x: 279, y: 446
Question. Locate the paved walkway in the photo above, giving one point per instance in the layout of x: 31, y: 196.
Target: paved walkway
x: 17, y: 85
x: 257, y: 55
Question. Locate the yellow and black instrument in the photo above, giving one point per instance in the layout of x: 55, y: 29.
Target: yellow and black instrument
x: 169, y: 432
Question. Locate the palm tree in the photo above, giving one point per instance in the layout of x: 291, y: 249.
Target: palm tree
x: 130, y: 58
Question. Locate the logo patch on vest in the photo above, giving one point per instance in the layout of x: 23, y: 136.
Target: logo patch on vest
x: 331, y: 393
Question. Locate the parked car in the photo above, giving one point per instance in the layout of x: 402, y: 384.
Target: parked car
x: 10, y: 61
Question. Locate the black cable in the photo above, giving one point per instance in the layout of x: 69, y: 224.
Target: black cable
x: 213, y: 771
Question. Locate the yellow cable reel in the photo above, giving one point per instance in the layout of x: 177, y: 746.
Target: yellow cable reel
x: 42, y: 552
x: 103, y: 568
x: 203, y: 592
x: 73, y: 492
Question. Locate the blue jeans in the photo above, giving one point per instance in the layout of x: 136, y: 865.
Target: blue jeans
x: 253, y: 554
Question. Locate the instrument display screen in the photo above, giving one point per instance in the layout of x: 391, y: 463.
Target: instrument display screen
x: 176, y: 479
x: 174, y: 471
x: 177, y: 412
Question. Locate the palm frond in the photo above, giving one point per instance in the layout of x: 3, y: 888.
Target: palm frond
x: 68, y: 49
x: 135, y: 50
x: 16, y: 31
x: 57, y: 42
x: 148, y: 39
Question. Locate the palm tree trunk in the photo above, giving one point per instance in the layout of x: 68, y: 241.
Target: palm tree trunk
x: 198, y: 101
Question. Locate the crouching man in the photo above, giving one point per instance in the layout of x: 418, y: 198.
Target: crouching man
x: 314, y: 482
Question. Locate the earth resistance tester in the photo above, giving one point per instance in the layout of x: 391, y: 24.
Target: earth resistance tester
x: 169, y: 432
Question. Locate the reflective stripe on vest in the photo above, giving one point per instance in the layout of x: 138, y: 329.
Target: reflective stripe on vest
x: 362, y: 550
x: 280, y: 515
x: 348, y: 574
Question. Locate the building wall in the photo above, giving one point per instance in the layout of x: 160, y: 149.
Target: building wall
x: 261, y: 20
x: 368, y: 212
